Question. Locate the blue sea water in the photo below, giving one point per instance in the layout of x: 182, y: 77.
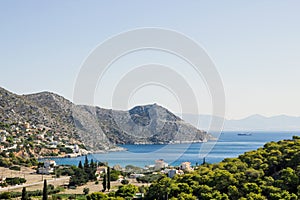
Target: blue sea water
x: 229, y: 145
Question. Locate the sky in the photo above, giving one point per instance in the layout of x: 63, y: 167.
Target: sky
x: 255, y: 46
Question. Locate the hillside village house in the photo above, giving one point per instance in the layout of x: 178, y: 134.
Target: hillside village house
x: 172, y: 172
x: 3, y: 134
x: 160, y: 164
x: 133, y: 176
x: 2, y: 138
x: 2, y: 179
x: 48, y: 167
x: 100, y: 170
x: 186, y: 166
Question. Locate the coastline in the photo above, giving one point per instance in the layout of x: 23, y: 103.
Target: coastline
x: 120, y: 149
x: 228, y: 145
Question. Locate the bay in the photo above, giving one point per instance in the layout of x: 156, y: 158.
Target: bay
x: 229, y: 145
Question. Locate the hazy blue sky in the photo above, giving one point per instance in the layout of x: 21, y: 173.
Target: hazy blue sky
x: 254, y: 44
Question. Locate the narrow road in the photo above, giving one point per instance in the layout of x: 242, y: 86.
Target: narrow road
x: 32, y: 184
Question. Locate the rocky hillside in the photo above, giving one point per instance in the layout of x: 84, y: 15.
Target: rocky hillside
x: 150, y: 124
x: 97, y: 128
x: 45, y: 109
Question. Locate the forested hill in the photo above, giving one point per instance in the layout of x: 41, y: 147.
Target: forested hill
x: 271, y: 172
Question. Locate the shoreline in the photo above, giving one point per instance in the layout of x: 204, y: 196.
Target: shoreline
x: 120, y: 149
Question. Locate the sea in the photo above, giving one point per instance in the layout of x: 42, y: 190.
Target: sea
x: 227, y: 145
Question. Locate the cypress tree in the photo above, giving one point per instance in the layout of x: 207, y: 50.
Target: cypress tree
x: 45, y: 192
x: 80, y: 165
x: 86, y: 163
x: 24, y: 194
x: 108, y: 178
x: 86, y: 168
x: 204, y: 162
x: 104, y: 183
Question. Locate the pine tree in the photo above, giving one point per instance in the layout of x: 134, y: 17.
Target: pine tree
x: 80, y: 165
x: 108, y: 178
x: 24, y: 194
x: 45, y: 192
x: 104, y: 183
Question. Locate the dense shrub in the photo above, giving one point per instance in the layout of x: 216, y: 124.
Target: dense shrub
x: 271, y: 172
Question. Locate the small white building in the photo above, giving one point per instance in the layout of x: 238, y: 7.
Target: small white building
x: 100, y: 170
x: 76, y: 148
x: 159, y: 164
x: 186, y: 166
x: 172, y: 173
x: 43, y: 170
x: 48, y: 167
x: 2, y: 138
x: 2, y: 179
x: 136, y: 175
x: 49, y: 163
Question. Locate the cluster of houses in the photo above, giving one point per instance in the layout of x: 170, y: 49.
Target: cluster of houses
x: 49, y: 140
x: 171, y: 171
x: 159, y: 166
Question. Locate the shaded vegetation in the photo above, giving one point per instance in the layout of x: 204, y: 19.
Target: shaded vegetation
x: 82, y: 174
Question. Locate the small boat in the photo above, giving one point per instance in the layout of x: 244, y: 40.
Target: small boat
x: 244, y: 134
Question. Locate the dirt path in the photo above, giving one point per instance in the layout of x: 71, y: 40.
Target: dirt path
x: 33, y: 181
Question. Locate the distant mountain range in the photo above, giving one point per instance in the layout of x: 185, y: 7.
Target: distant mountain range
x: 251, y: 123
x: 98, y: 128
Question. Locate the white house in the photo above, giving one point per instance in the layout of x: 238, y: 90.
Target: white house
x: 159, y: 164
x: 48, y: 167
x: 186, y: 166
x: 136, y: 175
x: 3, y: 138
x: 49, y: 163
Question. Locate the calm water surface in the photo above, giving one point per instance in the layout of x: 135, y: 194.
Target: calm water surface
x: 228, y: 145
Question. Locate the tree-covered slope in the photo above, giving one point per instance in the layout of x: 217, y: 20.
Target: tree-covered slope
x: 271, y: 172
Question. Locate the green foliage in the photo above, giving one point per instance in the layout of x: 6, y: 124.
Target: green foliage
x: 66, y: 171
x: 271, y: 172
x: 114, y: 175
x: 127, y: 191
x: 16, y: 168
x: 78, y: 178
x: 102, y: 196
x: 15, y: 181
x: 82, y: 174
x: 12, y: 160
x: 96, y: 196
x: 66, y: 150
x: 86, y: 191
x: 5, y: 195
x: 124, y: 181
x: 149, y: 178
x: 34, y: 193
